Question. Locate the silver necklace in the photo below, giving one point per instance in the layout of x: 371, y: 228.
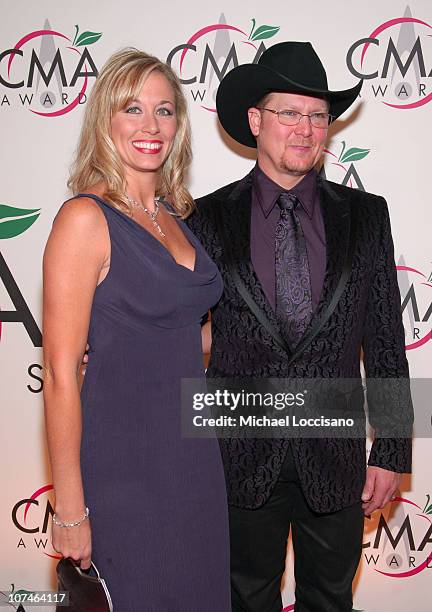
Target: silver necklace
x: 151, y: 213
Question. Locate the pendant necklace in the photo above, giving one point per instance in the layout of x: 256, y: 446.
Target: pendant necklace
x: 152, y: 214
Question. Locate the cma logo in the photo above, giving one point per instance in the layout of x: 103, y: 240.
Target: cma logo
x: 54, y: 77
x: 401, y: 547
x: 209, y: 53
x: 32, y: 515
x: 395, y: 61
x: 415, y: 287
x: 21, y: 512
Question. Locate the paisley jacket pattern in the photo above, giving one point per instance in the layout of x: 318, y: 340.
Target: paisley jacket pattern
x: 367, y: 319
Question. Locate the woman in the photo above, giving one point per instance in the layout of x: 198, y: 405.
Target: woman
x: 121, y: 269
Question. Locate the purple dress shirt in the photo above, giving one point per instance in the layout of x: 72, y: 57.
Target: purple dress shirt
x: 264, y: 217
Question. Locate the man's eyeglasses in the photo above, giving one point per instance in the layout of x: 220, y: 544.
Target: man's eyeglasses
x: 290, y: 117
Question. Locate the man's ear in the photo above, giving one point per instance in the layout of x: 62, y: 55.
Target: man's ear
x: 254, y: 117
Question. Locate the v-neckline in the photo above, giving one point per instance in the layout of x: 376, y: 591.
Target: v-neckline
x: 141, y: 227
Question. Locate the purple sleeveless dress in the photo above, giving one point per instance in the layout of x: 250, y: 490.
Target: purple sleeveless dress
x: 157, y: 501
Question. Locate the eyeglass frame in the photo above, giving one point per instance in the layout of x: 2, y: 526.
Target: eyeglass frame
x: 331, y: 118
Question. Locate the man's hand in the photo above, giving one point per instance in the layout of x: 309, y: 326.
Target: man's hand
x: 379, y: 488
x: 83, y: 368
x: 85, y: 359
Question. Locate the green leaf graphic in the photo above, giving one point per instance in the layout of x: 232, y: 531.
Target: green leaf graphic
x: 15, y: 220
x: 87, y: 38
x: 354, y: 154
x: 10, y: 211
x: 428, y: 510
x: 265, y: 31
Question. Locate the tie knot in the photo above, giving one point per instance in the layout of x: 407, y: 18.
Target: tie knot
x: 287, y: 201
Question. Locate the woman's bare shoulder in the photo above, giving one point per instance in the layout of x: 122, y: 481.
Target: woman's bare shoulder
x: 79, y: 224
x: 83, y: 212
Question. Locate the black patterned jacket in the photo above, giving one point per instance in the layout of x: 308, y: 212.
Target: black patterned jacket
x: 367, y: 317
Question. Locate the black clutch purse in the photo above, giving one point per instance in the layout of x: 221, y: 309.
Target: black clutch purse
x: 87, y: 590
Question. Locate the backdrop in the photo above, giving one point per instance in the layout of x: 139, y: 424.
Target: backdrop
x: 50, y: 53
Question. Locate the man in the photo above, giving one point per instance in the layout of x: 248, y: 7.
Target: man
x: 310, y: 282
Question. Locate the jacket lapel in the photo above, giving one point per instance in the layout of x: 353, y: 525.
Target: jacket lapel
x: 236, y: 220
x: 336, y: 216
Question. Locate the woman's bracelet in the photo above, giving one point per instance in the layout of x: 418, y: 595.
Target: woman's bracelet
x: 74, y: 523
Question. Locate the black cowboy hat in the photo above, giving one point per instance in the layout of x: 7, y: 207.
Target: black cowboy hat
x: 291, y: 67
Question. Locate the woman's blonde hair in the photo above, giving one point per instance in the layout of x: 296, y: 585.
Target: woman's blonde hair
x: 119, y: 82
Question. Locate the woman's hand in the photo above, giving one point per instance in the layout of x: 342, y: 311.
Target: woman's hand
x: 74, y: 542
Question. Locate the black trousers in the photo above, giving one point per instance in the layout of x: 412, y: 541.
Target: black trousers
x: 327, y: 550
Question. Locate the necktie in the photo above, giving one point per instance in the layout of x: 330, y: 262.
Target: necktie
x: 293, y: 287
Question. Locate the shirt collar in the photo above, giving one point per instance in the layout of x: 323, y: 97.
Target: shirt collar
x: 267, y: 191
